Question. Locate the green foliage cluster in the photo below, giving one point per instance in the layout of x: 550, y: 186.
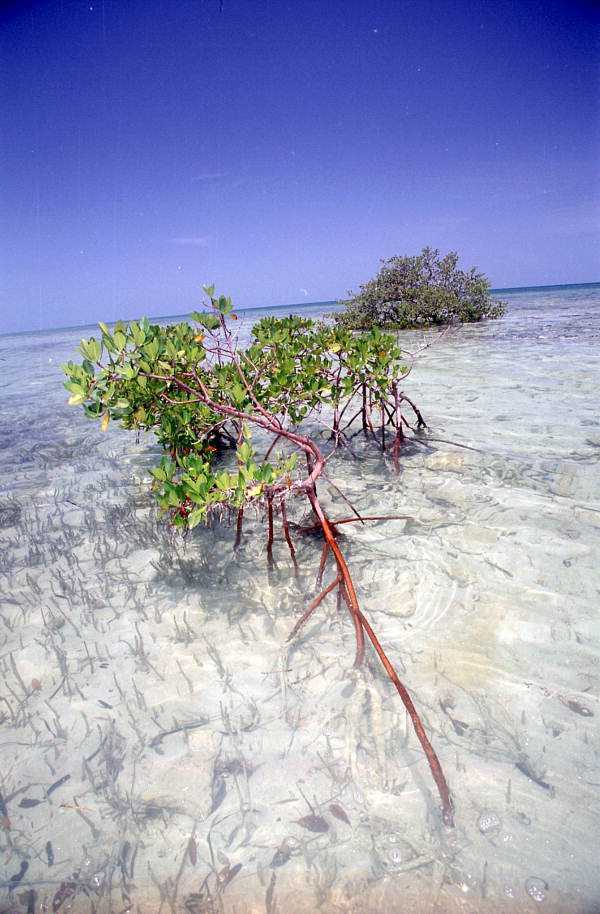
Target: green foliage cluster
x: 300, y: 366
x: 420, y: 291
x: 200, y: 394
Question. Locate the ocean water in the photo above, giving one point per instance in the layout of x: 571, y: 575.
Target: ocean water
x: 164, y: 749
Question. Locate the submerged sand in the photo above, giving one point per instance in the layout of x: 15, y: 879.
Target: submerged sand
x: 163, y: 749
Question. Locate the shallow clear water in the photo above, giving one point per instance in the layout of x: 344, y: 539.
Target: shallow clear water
x: 159, y: 740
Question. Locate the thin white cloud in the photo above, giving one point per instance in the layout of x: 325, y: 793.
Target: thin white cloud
x: 209, y: 175
x: 191, y: 241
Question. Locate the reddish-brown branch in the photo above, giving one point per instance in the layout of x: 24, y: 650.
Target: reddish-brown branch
x: 271, y: 446
x: 466, y: 447
x: 316, y: 602
x: 268, y: 416
x: 352, y: 419
x: 400, y: 437
x: 346, y: 406
x: 238, y: 527
x: 315, y: 458
x: 361, y: 624
x: 358, y: 629
x: 397, y: 442
x: 355, y: 520
x: 341, y: 494
x: 350, y: 593
x: 322, y: 562
x: 271, y: 535
x: 286, y: 533
x: 369, y: 420
x: 420, y: 420
x: 434, y: 763
x: 399, y: 430
x: 389, y: 412
x: 336, y: 425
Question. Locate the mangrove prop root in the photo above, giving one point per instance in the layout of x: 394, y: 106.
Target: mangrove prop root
x: 358, y: 628
x: 397, y: 442
x: 355, y: 520
x: 361, y: 624
x: 434, y: 762
x: 288, y: 539
x: 271, y: 535
x: 420, y: 420
x: 322, y: 562
x: 352, y: 520
x: 238, y: 527
x: 316, y: 602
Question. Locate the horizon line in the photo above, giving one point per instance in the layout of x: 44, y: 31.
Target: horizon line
x: 303, y: 304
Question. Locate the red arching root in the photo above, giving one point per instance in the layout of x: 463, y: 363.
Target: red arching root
x: 343, y: 580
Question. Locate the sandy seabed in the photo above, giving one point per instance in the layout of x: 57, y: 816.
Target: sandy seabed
x: 164, y: 749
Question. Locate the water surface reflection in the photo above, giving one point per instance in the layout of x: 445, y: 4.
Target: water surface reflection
x: 163, y: 749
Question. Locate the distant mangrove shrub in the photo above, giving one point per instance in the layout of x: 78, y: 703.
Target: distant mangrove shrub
x: 420, y: 291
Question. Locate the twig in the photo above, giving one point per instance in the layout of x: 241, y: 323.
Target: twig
x: 316, y: 602
x: 270, y: 535
x: 286, y: 533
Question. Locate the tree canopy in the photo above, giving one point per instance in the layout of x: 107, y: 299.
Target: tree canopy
x: 419, y: 291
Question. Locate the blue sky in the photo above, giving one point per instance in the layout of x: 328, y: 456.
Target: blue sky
x: 280, y: 148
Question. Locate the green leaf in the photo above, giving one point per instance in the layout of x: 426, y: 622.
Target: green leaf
x: 224, y: 305
x: 244, y: 452
x: 151, y: 349
x: 137, y: 333
x: 73, y: 387
x: 266, y: 474
x: 127, y: 371
x: 196, y: 517
x: 91, y: 349
x: 206, y: 318
x: 238, y: 394
x: 210, y: 321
